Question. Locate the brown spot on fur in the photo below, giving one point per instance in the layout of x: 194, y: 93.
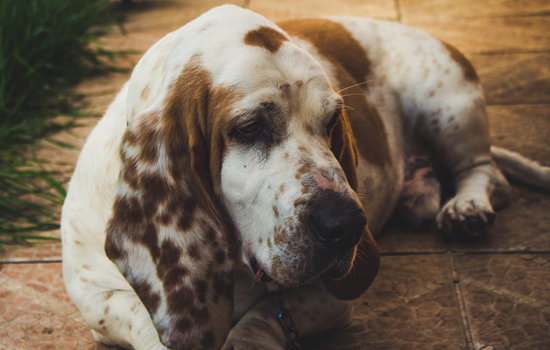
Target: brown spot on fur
x: 275, y: 211
x: 108, y: 295
x: 260, y: 240
x: 302, y: 148
x: 106, y: 310
x: 432, y: 93
x: 286, y: 155
x: 145, y: 92
x: 77, y: 242
x: 86, y: 267
x: 269, y: 242
x: 102, y: 321
x: 305, y: 187
x: 265, y: 37
x: 451, y: 118
x: 302, y: 170
x: 467, y: 68
x: 150, y: 299
x: 193, y: 251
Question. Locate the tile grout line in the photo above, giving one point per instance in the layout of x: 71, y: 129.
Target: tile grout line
x: 468, y: 335
x: 468, y: 252
x: 398, y: 9
x: 30, y: 261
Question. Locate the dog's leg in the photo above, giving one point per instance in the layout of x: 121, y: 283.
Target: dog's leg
x: 458, y: 132
x: 420, y: 199
x: 312, y: 308
x: 116, y: 317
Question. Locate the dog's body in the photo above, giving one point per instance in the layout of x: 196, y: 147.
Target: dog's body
x: 254, y: 192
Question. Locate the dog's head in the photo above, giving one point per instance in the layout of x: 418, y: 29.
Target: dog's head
x: 236, y: 143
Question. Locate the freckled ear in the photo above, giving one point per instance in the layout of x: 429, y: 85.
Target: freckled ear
x: 362, y: 274
x: 167, y: 235
x: 367, y: 258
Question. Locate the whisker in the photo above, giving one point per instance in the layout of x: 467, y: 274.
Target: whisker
x: 353, y: 109
x: 352, y: 95
x: 352, y: 86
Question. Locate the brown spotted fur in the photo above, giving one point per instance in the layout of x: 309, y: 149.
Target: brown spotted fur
x: 199, y: 293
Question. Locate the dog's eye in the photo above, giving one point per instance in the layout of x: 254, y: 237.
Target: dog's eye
x: 334, y: 120
x: 249, y: 131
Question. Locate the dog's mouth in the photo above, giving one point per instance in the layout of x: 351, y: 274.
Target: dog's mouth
x: 260, y: 274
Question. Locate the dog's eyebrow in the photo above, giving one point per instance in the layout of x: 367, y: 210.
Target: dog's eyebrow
x: 268, y: 112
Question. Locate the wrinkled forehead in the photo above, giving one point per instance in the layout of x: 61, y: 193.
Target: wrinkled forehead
x: 251, y: 53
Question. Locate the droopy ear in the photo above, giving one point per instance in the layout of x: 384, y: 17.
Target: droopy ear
x: 168, y: 235
x: 367, y: 258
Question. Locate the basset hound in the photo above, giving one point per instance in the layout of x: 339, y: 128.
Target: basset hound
x: 222, y: 201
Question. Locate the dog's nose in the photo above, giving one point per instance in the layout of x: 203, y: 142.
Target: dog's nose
x: 338, y: 225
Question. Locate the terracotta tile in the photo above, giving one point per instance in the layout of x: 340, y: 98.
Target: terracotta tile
x: 420, y: 9
x: 411, y: 305
x: 490, y: 35
x: 288, y: 9
x: 507, y: 299
x: 34, y: 318
x: 36, y: 252
x: 514, y: 78
x: 395, y: 240
x: 523, y: 129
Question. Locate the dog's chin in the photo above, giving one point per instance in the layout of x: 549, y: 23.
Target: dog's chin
x: 294, y: 274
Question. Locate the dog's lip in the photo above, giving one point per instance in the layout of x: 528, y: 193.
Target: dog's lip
x: 259, y: 272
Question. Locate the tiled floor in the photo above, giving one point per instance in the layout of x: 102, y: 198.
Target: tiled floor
x: 430, y: 294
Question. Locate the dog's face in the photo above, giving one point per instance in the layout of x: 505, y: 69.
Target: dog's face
x: 285, y: 191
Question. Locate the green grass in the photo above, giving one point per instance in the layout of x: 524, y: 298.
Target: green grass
x: 46, y: 46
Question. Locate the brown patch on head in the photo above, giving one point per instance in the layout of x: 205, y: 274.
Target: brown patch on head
x: 265, y: 37
x: 351, y: 66
x: 275, y: 211
x: 334, y: 42
x: 467, y: 68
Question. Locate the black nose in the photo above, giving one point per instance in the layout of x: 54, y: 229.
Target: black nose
x: 338, y: 223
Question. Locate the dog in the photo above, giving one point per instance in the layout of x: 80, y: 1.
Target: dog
x: 244, y: 159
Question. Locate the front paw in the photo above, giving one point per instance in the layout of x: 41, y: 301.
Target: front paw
x: 464, y: 217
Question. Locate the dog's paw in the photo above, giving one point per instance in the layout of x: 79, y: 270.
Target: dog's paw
x: 465, y: 217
